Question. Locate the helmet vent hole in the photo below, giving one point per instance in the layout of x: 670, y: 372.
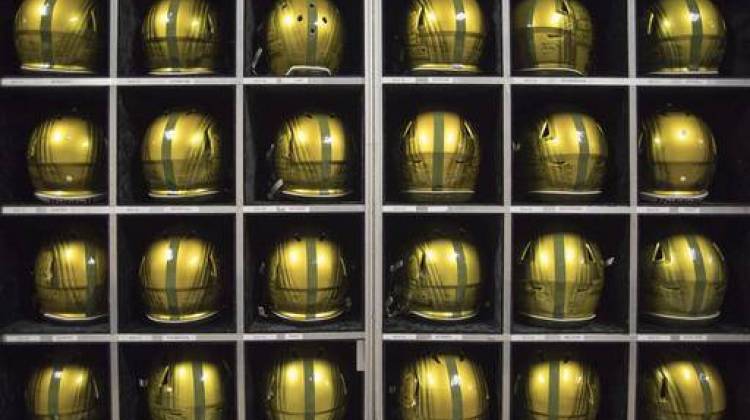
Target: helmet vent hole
x: 312, y: 5
x: 308, y: 116
x: 299, y: 18
x: 325, y: 20
x: 312, y: 30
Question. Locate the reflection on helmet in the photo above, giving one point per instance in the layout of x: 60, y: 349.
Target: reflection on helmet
x: 70, y: 279
x: 180, y: 276
x: 552, y: 37
x: 304, y: 37
x: 181, y: 37
x: 64, y: 391
x: 562, y: 277
x: 57, y: 36
x: 678, y: 157
x: 439, y: 158
x: 312, y: 157
x: 564, y: 156
x: 181, y: 156
x: 190, y: 388
x: 305, y: 384
x: 441, y: 386
x: 444, y: 35
x: 684, y: 279
x: 683, y: 37
x: 307, y: 277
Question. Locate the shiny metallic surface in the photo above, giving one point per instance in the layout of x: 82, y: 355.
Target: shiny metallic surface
x: 678, y: 157
x: 684, y: 279
x: 564, y: 157
x: 552, y: 37
x: 305, y: 38
x: 444, y: 36
x: 181, y: 37
x: 683, y: 37
x: 180, y: 279
x: 439, y: 158
x: 64, y: 391
x: 443, y: 385
x: 60, y: 36
x: 313, y: 157
x: 181, y: 156
x: 561, y: 278
x: 65, y: 158
x: 187, y: 388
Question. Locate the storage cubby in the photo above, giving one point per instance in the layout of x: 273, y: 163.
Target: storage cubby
x: 261, y: 234
x: 135, y: 235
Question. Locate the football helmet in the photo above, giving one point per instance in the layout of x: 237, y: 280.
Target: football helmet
x: 63, y: 390
x: 187, y: 387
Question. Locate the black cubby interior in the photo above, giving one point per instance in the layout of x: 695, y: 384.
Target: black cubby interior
x: 136, y: 233
x: 730, y: 233
x: 22, y: 236
x: 481, y: 105
x: 137, y: 360
x: 611, y: 233
x: 485, y: 231
x: 21, y: 110
x: 266, y: 109
x: 607, y: 104
x: 397, y: 355
x: 610, y: 24
x: 131, y: 61
x: 395, y: 13
x: 262, y: 231
x: 731, y: 359
x: 609, y: 359
x: 260, y: 359
x: 138, y: 106
x: 17, y: 363
x: 10, y: 64
x: 353, y: 17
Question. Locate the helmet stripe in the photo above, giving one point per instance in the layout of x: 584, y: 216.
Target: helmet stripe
x: 199, y: 392
x: 308, y: 366
x: 166, y: 150
x: 46, y: 31
x: 457, y: 403
x: 559, y: 285
x: 90, y: 265
x: 326, y: 148
x: 708, y: 398
x: 553, y: 399
x: 312, y: 33
x: 583, y: 152
x: 53, y: 394
x: 438, y: 127
x: 696, y: 39
x: 531, y: 47
x: 700, y: 273
x: 461, y: 271
x: 173, y: 50
x: 460, y: 34
x: 171, y: 280
x: 312, y: 276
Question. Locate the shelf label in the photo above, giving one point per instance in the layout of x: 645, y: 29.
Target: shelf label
x: 439, y: 80
x: 261, y: 337
x: 446, y: 337
x: 58, y: 210
x: 293, y: 336
x: 688, y: 210
x: 262, y: 209
x: 400, y: 337
x: 437, y: 209
x: 693, y: 337
x: 572, y: 337
x: 135, y: 210
x: 403, y: 80
x: 136, y: 337
x: 182, y: 209
x: 403, y: 209
x: 23, y: 338
x: 298, y: 80
x: 651, y: 337
x: 65, y: 338
x: 179, y: 337
x: 294, y: 209
x: 654, y: 210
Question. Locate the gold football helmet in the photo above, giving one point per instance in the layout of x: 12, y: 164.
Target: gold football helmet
x: 58, y: 35
x: 678, y: 157
x: 190, y: 388
x: 439, y: 158
x: 305, y: 37
x: 180, y: 276
x: 64, y: 391
x: 307, y: 277
x: 683, y: 37
x: 65, y: 159
x: 312, y: 158
x: 181, y: 37
x: 444, y: 36
x: 553, y: 37
x: 559, y: 386
x: 684, y: 278
x: 181, y: 156
x: 683, y: 386
x: 70, y: 278
x: 564, y: 156
x: 305, y: 383
x: 561, y: 278
x: 443, y: 385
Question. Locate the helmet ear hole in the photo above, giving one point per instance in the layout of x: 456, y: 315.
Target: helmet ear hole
x: 659, y: 255
x: 590, y: 254
x: 420, y: 19
x: 663, y: 389
x: 545, y: 132
x: 565, y: 7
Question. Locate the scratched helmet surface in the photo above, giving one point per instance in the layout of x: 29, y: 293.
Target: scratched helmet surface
x: 60, y: 36
x: 304, y: 383
x: 181, y: 156
x: 683, y: 37
x: 439, y: 156
x: 443, y: 385
x: 63, y: 390
x: 561, y: 279
x: 187, y: 387
x: 552, y: 37
x: 305, y: 37
x: 564, y: 157
x: 181, y: 37
x: 444, y: 36
x: 181, y: 279
x: 65, y: 158
x: 684, y: 279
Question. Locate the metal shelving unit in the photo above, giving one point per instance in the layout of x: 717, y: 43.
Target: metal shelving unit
x: 373, y: 337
